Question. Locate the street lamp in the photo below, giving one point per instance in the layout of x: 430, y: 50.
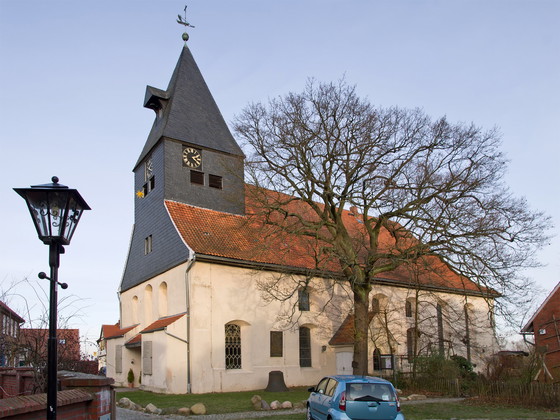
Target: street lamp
x: 56, y: 211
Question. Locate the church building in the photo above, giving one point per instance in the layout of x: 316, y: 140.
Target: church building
x: 193, y: 315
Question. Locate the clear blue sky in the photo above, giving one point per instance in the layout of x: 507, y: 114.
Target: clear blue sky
x: 74, y: 74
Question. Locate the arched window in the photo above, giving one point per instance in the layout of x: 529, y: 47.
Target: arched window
x: 135, y: 309
x: 408, y: 309
x: 303, y: 299
x: 440, y: 308
x: 411, y: 344
x: 375, y: 306
x: 376, y: 359
x: 233, y: 346
x: 468, y: 321
x: 304, y: 347
x: 148, y: 313
x: 162, y: 300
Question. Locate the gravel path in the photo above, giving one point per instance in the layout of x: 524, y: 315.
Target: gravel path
x: 124, y: 414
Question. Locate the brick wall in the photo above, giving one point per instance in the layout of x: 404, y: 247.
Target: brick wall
x: 82, y: 397
x: 15, y: 382
x: 547, y: 334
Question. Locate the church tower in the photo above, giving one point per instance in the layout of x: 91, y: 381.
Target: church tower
x: 189, y: 157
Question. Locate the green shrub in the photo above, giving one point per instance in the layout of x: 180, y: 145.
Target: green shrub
x: 130, y: 376
x: 437, y: 367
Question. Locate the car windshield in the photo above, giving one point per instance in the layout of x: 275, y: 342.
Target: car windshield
x: 369, y: 392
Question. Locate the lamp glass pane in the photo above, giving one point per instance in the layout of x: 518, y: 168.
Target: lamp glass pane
x: 74, y: 213
x: 38, y: 204
x: 58, y: 213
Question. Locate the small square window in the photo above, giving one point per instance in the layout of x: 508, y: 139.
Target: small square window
x: 197, y: 177
x: 215, y: 181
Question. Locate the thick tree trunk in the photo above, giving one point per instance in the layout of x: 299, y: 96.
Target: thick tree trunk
x: 361, y: 328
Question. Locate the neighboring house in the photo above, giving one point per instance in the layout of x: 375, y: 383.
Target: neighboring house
x: 10, y: 324
x: 193, y: 315
x: 545, y: 326
x: 34, y: 346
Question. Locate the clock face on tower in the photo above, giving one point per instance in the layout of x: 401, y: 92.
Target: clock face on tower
x: 192, y: 157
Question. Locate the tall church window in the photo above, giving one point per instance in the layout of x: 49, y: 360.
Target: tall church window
x: 148, y: 313
x: 441, y: 346
x: 375, y: 306
x: 467, y: 338
x: 162, y: 299
x: 135, y: 309
x: 408, y: 309
x: 233, y: 346
x: 304, y: 347
x: 376, y: 359
x: 303, y: 299
x: 411, y: 343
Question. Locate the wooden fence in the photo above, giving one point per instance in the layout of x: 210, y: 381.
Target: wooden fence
x: 536, y: 394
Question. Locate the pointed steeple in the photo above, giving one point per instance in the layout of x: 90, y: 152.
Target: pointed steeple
x: 187, y: 112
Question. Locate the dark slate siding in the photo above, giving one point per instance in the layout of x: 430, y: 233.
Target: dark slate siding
x: 178, y: 187
x: 151, y: 218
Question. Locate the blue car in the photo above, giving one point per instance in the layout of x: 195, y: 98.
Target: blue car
x: 351, y: 397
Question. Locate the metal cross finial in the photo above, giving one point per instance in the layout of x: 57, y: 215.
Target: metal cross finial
x: 183, y: 21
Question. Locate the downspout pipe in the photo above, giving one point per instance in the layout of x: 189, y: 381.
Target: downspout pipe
x: 190, y: 264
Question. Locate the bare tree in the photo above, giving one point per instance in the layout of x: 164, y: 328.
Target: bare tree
x: 432, y: 187
x: 30, y: 347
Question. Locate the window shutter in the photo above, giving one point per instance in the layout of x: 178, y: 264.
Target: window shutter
x: 147, y: 357
x: 197, y: 177
x: 118, y: 359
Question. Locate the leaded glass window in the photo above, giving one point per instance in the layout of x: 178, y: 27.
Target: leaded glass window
x: 233, y: 346
x: 304, y: 347
x: 408, y: 309
x: 303, y: 300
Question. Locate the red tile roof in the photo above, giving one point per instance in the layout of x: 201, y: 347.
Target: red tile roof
x: 137, y: 339
x: 6, y: 309
x: 114, y: 331
x: 160, y: 324
x: 345, y: 333
x: 248, y: 239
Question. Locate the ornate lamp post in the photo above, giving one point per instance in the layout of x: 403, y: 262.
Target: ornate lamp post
x: 56, y: 211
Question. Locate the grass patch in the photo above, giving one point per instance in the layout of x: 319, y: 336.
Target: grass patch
x: 231, y: 402
x: 473, y: 410
x: 216, y: 403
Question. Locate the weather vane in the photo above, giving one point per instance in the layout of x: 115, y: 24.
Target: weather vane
x: 183, y: 21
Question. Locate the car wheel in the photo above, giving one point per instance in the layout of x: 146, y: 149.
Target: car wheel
x: 309, y: 416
